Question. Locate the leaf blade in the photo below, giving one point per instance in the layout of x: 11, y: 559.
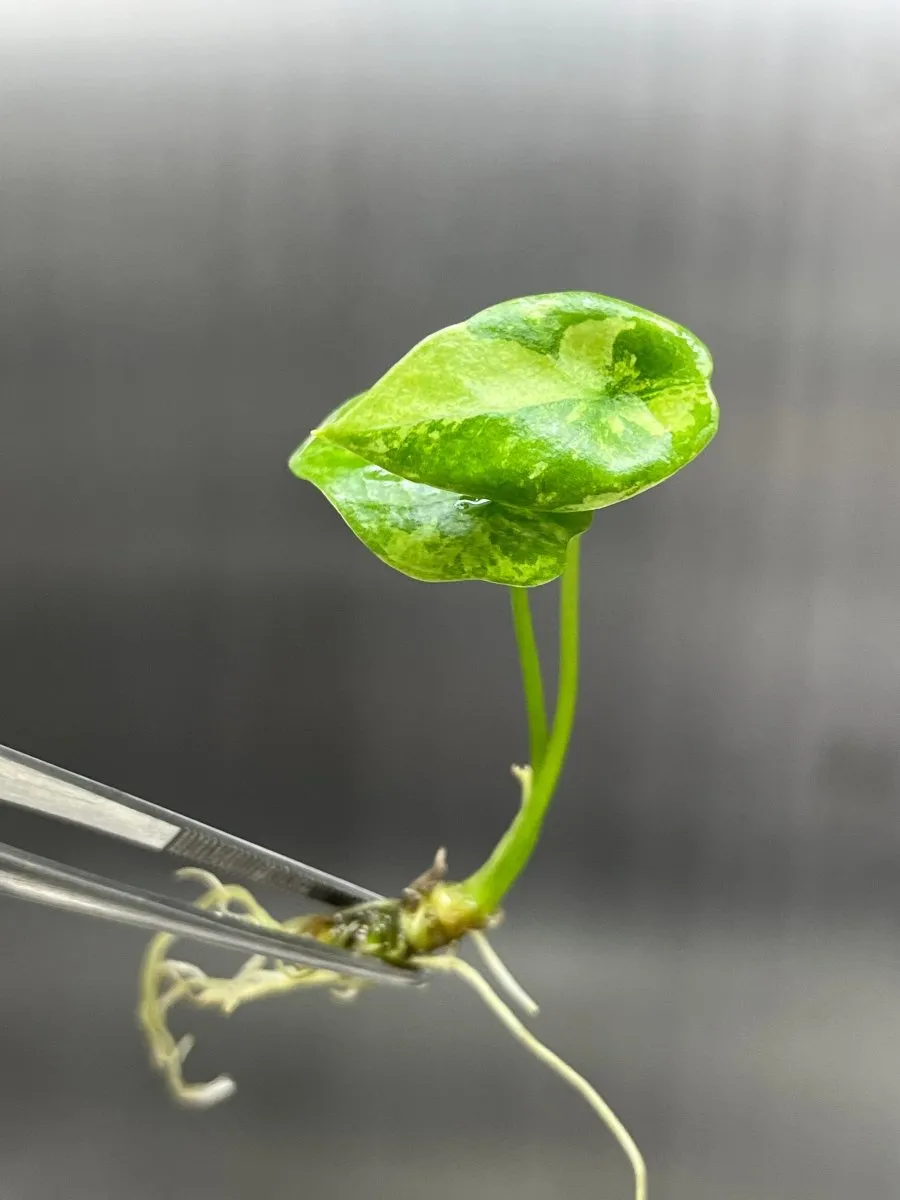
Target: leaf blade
x: 433, y: 535
x: 565, y: 402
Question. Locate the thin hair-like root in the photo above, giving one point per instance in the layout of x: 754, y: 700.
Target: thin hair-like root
x: 504, y: 977
x: 165, y: 982
x: 473, y: 977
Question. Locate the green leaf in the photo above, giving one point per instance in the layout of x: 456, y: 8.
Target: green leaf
x: 561, y: 402
x: 463, y: 460
x: 435, y: 535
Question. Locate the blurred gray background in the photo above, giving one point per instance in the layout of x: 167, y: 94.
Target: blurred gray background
x: 218, y: 220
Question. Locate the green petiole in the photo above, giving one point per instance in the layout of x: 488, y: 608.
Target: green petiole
x: 491, y: 882
x: 532, y: 679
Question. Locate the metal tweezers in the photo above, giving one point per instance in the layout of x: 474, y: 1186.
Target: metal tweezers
x: 29, y: 783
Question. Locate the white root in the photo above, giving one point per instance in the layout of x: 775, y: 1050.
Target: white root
x: 166, y: 981
x: 504, y: 977
x: 475, y: 980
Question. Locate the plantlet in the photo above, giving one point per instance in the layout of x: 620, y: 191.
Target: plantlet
x: 481, y: 455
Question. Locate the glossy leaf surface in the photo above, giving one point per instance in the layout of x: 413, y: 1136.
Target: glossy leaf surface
x: 436, y: 535
x: 542, y: 406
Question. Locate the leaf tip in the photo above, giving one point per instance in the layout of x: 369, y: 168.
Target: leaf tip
x: 297, y: 461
